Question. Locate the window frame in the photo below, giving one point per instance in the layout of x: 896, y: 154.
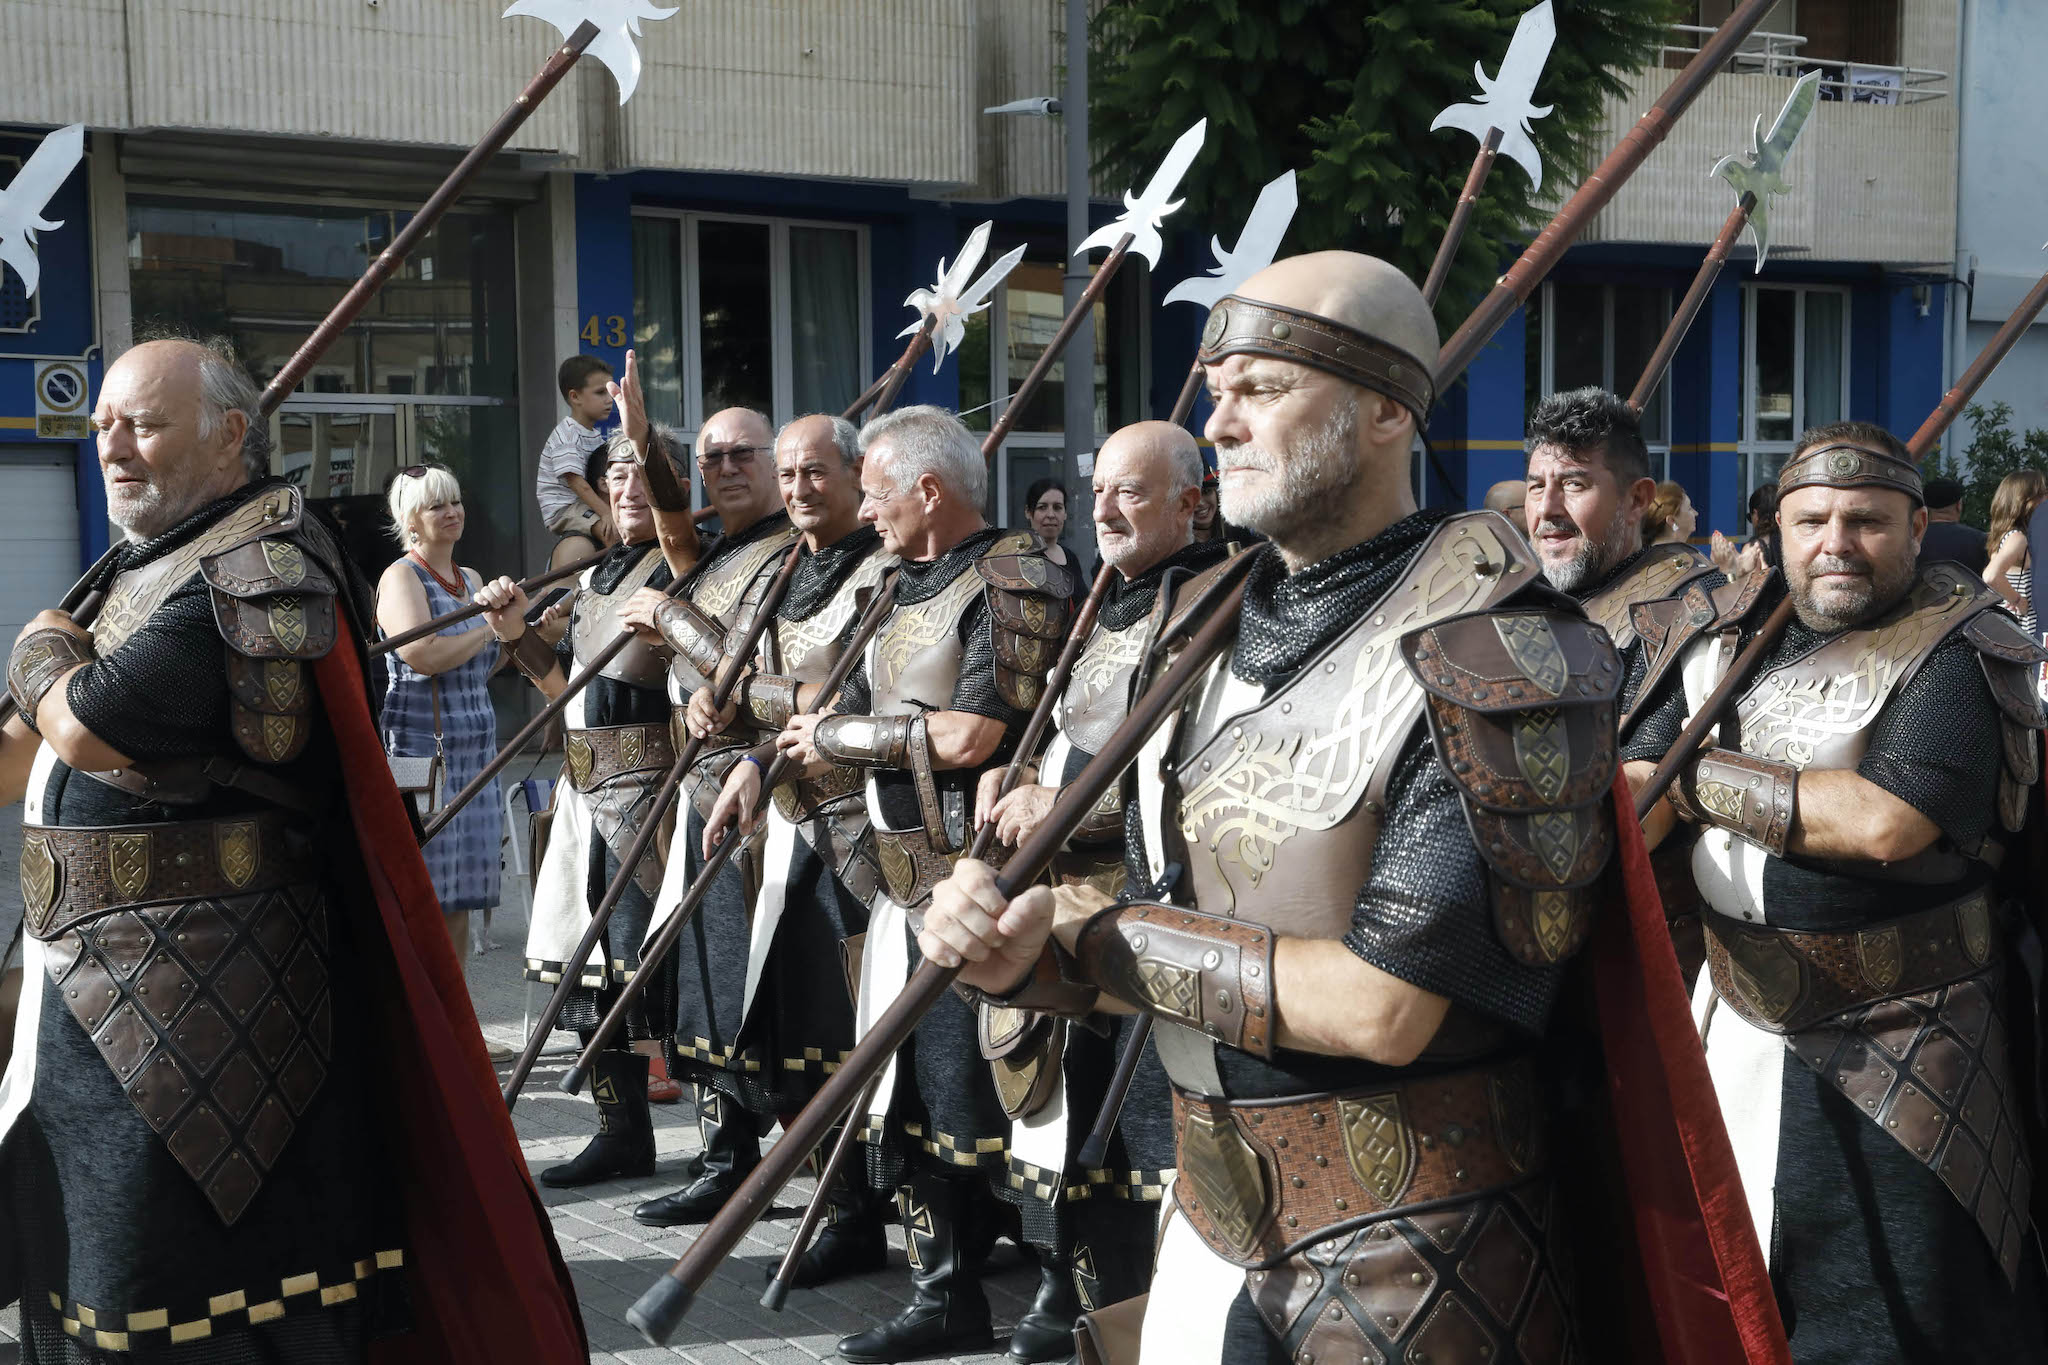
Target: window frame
x: 1748, y: 446
x: 1658, y: 443
x: 782, y: 359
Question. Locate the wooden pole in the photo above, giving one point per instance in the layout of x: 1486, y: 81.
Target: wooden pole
x: 1461, y: 216
x: 1695, y: 298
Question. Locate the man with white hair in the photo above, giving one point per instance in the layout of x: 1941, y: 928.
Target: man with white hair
x: 1367, y: 848
x: 945, y: 687
x: 1096, y: 1248
x: 244, y: 1119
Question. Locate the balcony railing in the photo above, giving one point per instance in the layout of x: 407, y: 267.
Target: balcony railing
x: 1778, y: 54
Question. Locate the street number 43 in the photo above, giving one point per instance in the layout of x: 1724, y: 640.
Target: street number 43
x: 609, y: 331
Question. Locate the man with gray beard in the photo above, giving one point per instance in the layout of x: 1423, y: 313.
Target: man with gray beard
x: 1343, y: 978
x: 1859, y: 905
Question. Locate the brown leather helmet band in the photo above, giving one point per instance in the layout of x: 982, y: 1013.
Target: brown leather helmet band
x: 1842, y: 465
x: 1246, y: 327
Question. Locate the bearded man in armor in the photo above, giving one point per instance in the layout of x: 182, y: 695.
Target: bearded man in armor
x: 944, y: 690
x: 248, y: 1115
x: 1096, y: 1247
x: 795, y: 1012
x: 616, y: 748
x: 1863, y: 888
x: 1349, y: 987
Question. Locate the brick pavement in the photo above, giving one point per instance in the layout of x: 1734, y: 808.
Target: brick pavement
x: 612, y: 1258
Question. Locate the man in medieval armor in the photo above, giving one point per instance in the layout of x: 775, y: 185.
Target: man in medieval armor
x: 945, y: 688
x: 1363, y: 855
x: 616, y: 748
x: 1862, y: 878
x: 1053, y: 1075
x: 794, y: 1005
x: 244, y: 1119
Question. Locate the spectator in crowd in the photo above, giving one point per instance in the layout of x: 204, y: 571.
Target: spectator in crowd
x: 2010, y: 571
x: 569, y: 504
x: 1672, y: 518
x: 1510, y: 498
x: 1762, y: 545
x: 1209, y: 523
x: 1046, y: 501
x: 436, y: 702
x: 1947, y: 537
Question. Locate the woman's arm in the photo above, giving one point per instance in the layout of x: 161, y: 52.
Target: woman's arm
x: 2011, y: 554
x: 402, y: 605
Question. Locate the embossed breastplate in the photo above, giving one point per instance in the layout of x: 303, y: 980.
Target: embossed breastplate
x: 721, y: 590
x: 1663, y: 571
x: 804, y: 649
x: 1098, y: 694
x: 1816, y: 710
x: 916, y: 654
x: 596, y: 623
x: 135, y: 595
x: 1303, y: 770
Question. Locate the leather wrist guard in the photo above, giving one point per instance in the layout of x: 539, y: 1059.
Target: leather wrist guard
x: 692, y: 634
x: 865, y: 741
x: 1750, y: 796
x: 1049, y: 989
x: 769, y: 699
x: 665, y: 489
x: 533, y: 656
x: 36, y: 665
x: 1207, y: 972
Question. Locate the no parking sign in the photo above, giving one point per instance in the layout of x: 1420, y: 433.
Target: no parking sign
x: 60, y: 401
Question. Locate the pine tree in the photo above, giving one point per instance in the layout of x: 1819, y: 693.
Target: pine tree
x: 1343, y: 92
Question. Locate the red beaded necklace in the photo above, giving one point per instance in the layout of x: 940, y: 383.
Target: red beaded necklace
x: 458, y: 591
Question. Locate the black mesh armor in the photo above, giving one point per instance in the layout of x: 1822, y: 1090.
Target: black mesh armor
x: 819, y: 575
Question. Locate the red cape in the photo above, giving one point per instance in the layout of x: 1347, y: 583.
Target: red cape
x: 1708, y: 1288
x: 488, y: 1281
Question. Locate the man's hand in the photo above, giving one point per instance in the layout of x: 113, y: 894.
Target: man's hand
x: 504, y: 608
x: 53, y: 619
x: 736, y: 802
x: 1023, y: 811
x: 969, y: 925
x: 554, y: 622
x: 706, y: 720
x: 638, y: 614
x: 632, y: 406
x: 989, y: 790
x: 796, y: 742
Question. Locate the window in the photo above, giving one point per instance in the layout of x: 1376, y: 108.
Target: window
x: 1602, y: 335
x: 1795, y: 372
x: 1026, y: 314
x: 760, y: 313
x: 427, y: 373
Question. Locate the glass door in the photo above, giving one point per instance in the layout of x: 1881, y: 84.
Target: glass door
x: 1795, y: 371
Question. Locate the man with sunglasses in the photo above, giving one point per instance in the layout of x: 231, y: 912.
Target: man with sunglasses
x: 735, y: 463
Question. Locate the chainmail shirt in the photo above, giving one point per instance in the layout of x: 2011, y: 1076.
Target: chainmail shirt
x: 819, y: 575
x: 1287, y: 617
x: 1130, y: 600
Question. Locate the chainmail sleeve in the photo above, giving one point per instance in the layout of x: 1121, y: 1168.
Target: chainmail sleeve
x: 1425, y: 913
x: 856, y: 698
x: 164, y: 692
x: 1935, y: 746
x: 1657, y: 729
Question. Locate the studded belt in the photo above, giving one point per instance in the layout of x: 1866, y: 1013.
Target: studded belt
x: 594, y: 757
x: 72, y: 875
x: 1261, y: 1179
x: 1783, y: 981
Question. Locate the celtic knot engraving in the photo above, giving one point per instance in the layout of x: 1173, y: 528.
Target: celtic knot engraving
x: 912, y: 630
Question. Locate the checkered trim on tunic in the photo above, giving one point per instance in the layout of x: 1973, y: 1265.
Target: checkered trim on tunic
x: 701, y: 1050
x: 295, y: 1294
x: 960, y: 1151
x: 1142, y: 1187
x: 592, y: 978
x: 814, y: 1059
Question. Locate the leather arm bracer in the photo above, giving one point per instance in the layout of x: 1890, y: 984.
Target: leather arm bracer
x: 1207, y: 972
x: 768, y: 699
x: 37, y: 663
x: 866, y: 741
x: 1746, y: 795
x: 533, y: 656
x: 692, y: 634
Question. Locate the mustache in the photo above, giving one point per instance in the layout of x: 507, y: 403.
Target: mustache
x: 1230, y: 457
x: 1825, y: 564
x: 1564, y: 525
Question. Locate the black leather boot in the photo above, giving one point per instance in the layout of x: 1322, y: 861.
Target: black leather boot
x: 732, y: 1148
x: 948, y: 1313
x: 624, y: 1145
x: 854, y: 1240
x: 1046, y: 1332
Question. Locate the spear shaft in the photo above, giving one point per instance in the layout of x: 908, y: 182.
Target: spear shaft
x: 1461, y: 216
x: 1695, y: 299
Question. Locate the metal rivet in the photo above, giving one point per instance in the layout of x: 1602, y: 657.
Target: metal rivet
x: 1293, y: 1221
x: 1415, y: 1277
x: 1211, y: 960
x: 1341, y: 1206
x: 1137, y: 943
x: 1298, y: 1182
x: 1223, y: 1001
x: 1280, y: 1142
x: 1281, y: 331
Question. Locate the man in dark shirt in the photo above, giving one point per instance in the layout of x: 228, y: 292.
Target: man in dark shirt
x: 1947, y: 537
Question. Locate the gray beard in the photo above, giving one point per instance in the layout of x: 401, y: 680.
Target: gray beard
x: 1885, y: 589
x: 1319, y: 468
x: 145, y: 513
x: 1592, y: 563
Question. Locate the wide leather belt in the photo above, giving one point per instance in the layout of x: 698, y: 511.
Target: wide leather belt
x: 1261, y: 1179
x: 594, y: 757
x: 912, y: 864
x: 1784, y: 980
x: 72, y: 875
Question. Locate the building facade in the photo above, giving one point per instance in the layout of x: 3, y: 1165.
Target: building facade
x: 785, y: 175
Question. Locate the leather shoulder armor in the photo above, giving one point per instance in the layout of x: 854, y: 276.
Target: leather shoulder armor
x: 2012, y: 660
x: 1521, y: 707
x: 1027, y: 599
x: 276, y: 610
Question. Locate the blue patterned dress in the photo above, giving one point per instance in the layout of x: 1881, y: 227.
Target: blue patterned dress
x: 463, y: 858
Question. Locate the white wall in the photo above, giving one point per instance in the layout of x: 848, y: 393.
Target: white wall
x: 2002, y: 193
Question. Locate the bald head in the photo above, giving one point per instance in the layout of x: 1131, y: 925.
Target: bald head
x: 735, y: 456
x: 1148, y: 479
x: 1509, y: 497
x: 1360, y: 291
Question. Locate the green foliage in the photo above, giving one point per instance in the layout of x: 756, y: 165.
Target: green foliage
x: 1343, y: 92
x: 1995, y: 451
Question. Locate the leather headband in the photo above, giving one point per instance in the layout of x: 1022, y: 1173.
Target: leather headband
x: 1842, y: 465
x: 1245, y: 327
